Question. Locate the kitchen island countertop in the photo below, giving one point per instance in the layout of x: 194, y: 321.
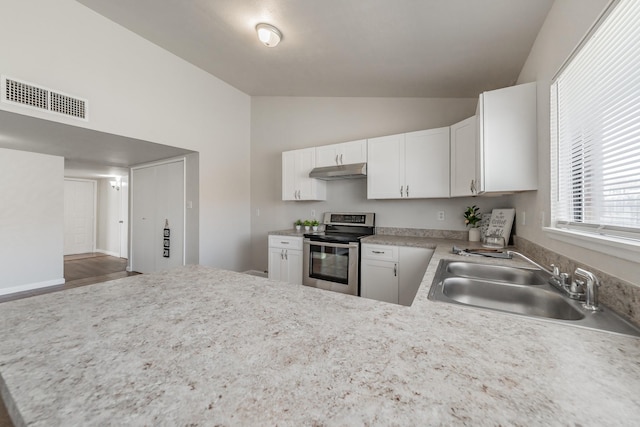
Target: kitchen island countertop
x: 203, y: 346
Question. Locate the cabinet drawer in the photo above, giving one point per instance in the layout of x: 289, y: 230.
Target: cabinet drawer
x: 285, y: 242
x: 380, y: 252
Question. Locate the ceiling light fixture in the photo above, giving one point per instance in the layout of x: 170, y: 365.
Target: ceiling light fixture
x: 116, y: 184
x: 269, y: 35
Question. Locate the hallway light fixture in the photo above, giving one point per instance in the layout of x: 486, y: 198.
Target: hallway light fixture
x: 269, y: 35
x: 115, y: 184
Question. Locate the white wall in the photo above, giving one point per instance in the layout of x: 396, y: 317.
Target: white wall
x: 567, y: 23
x: 31, y: 220
x: 285, y: 123
x: 136, y: 89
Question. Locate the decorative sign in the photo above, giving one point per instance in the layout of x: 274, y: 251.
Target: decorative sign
x: 500, y: 224
x: 167, y: 239
x: 484, y: 224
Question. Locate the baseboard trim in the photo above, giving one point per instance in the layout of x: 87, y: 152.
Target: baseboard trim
x: 31, y: 286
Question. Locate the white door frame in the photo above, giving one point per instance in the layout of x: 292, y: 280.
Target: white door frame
x: 184, y: 204
x: 95, y: 207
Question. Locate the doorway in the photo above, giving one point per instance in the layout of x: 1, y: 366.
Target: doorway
x: 79, y: 216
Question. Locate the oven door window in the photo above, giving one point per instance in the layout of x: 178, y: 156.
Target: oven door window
x: 329, y: 263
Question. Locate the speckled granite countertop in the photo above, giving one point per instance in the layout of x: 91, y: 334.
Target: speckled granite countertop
x: 201, y: 346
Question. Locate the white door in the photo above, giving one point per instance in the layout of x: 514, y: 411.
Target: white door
x: 157, y: 196
x: 124, y: 219
x: 79, y: 216
x: 143, y: 187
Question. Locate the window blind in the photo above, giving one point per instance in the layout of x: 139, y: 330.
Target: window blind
x: 595, y: 130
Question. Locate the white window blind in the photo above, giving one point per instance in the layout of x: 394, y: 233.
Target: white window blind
x: 595, y: 130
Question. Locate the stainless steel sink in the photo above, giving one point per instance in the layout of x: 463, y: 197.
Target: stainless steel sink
x: 521, y: 276
x: 513, y: 298
x: 520, y: 291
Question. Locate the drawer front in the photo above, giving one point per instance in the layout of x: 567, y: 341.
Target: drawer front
x: 380, y: 252
x: 285, y: 242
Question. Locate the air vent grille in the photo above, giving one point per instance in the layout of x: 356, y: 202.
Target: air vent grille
x: 26, y: 94
x: 67, y: 105
x: 23, y: 93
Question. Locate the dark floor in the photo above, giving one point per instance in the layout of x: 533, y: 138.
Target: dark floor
x: 79, y: 270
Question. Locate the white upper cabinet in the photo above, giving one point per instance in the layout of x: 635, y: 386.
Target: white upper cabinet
x: 463, y: 158
x: 507, y: 155
x: 296, y: 184
x: 342, y: 154
x: 412, y: 165
x: 427, y: 163
x: 385, y: 167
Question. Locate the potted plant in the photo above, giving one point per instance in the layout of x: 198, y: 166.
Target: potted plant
x: 472, y: 218
x: 307, y: 225
x: 315, y: 224
x: 298, y: 224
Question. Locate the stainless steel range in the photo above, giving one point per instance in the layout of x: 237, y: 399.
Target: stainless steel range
x: 332, y: 257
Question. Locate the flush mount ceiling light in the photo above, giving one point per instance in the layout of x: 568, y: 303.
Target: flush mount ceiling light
x: 269, y: 35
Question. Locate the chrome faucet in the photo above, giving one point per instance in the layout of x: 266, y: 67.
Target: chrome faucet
x: 562, y: 281
x: 591, y: 288
x: 552, y: 273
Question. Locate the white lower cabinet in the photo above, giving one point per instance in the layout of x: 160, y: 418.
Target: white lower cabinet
x: 285, y: 259
x: 392, y: 273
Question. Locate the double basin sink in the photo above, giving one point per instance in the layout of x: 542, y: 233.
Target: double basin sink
x: 522, y: 291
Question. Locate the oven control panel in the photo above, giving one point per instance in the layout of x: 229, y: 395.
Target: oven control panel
x: 349, y: 218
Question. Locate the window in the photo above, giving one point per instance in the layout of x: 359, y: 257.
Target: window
x: 595, y: 132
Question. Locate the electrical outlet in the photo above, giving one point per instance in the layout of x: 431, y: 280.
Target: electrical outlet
x: 440, y: 215
x: 523, y: 214
x: 313, y: 213
x: 258, y: 212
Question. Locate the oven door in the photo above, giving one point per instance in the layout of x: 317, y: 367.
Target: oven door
x: 331, y: 266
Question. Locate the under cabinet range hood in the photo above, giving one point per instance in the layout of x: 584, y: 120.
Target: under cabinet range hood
x: 329, y: 173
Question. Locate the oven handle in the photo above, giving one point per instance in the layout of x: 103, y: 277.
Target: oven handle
x: 330, y: 244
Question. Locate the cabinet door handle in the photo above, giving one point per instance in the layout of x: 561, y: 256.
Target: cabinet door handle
x: 281, y: 253
x: 337, y: 160
x: 401, y: 190
x: 285, y: 243
x: 341, y: 162
x: 407, y: 191
x: 395, y: 270
x: 378, y: 252
x: 286, y: 254
x: 472, y: 187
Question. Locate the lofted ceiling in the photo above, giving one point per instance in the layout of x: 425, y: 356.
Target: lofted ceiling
x: 363, y: 48
x: 360, y: 48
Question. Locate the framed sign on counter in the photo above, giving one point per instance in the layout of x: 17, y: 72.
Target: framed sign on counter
x: 500, y: 224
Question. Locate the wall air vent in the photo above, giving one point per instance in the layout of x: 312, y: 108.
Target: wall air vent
x: 68, y: 105
x: 22, y: 93
x: 29, y: 95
